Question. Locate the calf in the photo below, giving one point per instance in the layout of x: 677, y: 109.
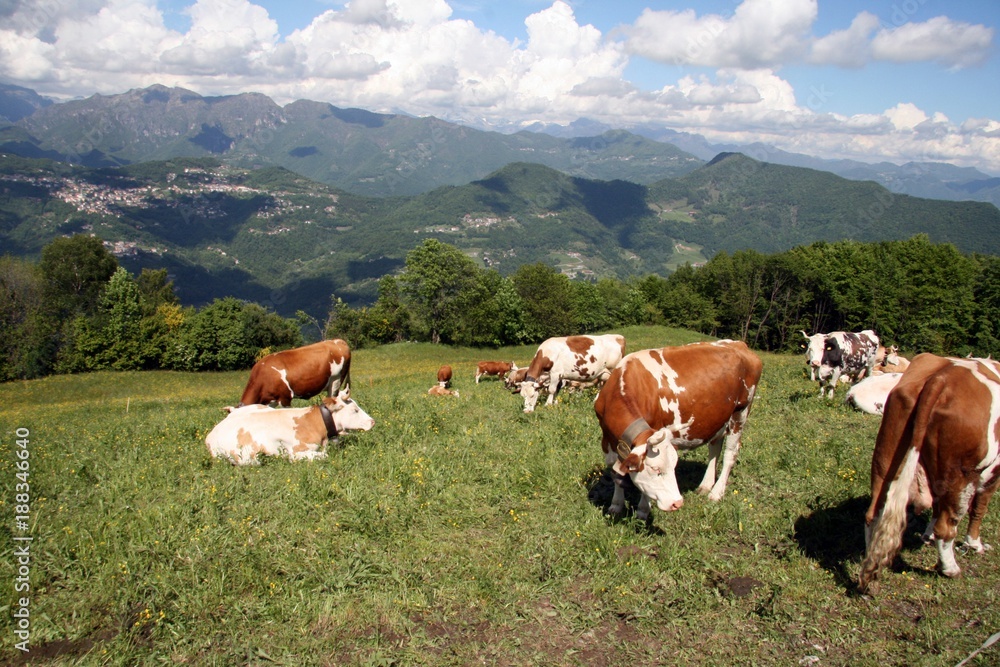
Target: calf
x: 302, y: 372
x: 943, y: 417
x: 870, y: 394
x: 296, y: 433
x: 849, y: 354
x: 581, y: 358
x: 440, y: 390
x: 444, y: 376
x: 494, y: 368
x: 659, y: 401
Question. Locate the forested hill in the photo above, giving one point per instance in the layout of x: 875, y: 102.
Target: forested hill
x: 735, y: 202
x: 278, y: 238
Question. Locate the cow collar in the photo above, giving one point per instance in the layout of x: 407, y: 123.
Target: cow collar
x: 331, y: 428
x: 628, y: 436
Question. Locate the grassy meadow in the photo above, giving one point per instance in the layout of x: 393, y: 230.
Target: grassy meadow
x: 456, y: 532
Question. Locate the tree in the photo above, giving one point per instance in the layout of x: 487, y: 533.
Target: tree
x: 548, y: 300
x: 27, y: 343
x: 76, y: 269
x: 435, y: 277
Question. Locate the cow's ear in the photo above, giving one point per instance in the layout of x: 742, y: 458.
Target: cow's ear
x: 632, y: 463
x: 656, y: 438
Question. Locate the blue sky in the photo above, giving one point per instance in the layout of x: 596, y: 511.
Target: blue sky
x: 897, y: 80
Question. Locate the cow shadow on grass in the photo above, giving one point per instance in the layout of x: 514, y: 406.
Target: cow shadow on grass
x: 600, y: 487
x: 834, y: 536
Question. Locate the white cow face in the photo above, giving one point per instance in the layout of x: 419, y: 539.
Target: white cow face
x: 814, y: 349
x: 347, y: 414
x: 529, y: 390
x: 658, y: 480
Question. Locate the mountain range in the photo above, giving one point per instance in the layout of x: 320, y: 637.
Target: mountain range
x: 289, y: 205
x: 275, y: 237
x: 393, y: 154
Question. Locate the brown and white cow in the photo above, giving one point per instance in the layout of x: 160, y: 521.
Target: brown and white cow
x: 846, y: 354
x: 444, y: 377
x: 494, y: 368
x: 440, y: 390
x: 943, y: 416
x: 891, y: 362
x: 302, y: 372
x: 582, y: 358
x: 295, y: 433
x: 659, y: 401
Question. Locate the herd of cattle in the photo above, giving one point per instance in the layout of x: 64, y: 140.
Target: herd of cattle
x: 937, y: 446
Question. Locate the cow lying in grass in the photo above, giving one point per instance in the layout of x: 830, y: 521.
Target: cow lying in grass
x: 295, y: 433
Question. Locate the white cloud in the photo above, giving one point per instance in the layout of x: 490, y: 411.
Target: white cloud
x: 759, y: 33
x: 847, y: 48
x: 940, y: 39
x: 413, y: 56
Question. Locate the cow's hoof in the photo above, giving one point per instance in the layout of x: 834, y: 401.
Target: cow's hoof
x: 976, y: 545
x: 616, y: 510
x: 951, y: 574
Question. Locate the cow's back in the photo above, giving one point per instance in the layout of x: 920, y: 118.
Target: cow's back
x: 665, y: 385
x: 302, y: 372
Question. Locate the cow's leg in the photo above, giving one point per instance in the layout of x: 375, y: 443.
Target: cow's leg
x: 730, y: 450
x: 708, y: 481
x: 477, y: 378
x: 948, y: 512
x: 976, y: 514
x: 618, y: 500
x: 553, y: 388
x: 642, y: 512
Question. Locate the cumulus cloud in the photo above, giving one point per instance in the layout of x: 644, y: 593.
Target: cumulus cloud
x: 415, y: 56
x: 940, y: 39
x: 759, y: 33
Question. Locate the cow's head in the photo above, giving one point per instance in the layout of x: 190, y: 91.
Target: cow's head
x: 530, y: 390
x: 832, y: 354
x: 652, y: 466
x: 813, y: 348
x: 347, y: 414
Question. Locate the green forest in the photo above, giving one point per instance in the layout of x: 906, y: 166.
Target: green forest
x: 77, y: 309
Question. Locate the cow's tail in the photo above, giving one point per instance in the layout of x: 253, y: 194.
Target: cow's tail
x: 884, y: 532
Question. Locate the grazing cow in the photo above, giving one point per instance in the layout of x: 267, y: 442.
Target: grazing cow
x: 497, y: 368
x: 515, y: 378
x: 848, y: 354
x: 582, y: 358
x: 300, y: 373
x: 441, y: 390
x: 659, y: 401
x: 870, y: 394
x: 943, y: 416
x: 814, y: 352
x: 296, y: 433
x: 444, y: 377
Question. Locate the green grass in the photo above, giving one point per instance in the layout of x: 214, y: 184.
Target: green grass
x: 457, y: 531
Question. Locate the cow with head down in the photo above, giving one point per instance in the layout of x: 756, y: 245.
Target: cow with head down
x: 581, y: 358
x: 659, y: 401
x: 295, y: 433
x: 302, y: 372
x: 942, y: 420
